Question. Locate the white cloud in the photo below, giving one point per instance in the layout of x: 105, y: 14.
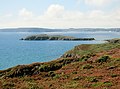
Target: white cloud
x: 57, y: 16
x: 6, y: 15
x: 96, y: 14
x: 97, y: 2
x: 25, y: 13
x: 54, y: 11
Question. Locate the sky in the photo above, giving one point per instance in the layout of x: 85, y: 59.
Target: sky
x: 59, y: 13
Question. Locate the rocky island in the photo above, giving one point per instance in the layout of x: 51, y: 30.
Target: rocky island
x: 86, y: 66
x: 54, y: 37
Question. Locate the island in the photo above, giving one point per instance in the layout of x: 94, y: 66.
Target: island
x: 86, y: 66
x: 54, y: 37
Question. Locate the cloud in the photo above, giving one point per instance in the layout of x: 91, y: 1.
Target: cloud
x: 56, y: 16
x: 58, y: 12
x: 54, y: 11
x: 97, y: 2
x: 25, y: 13
x: 116, y: 15
x: 96, y: 14
x: 6, y: 15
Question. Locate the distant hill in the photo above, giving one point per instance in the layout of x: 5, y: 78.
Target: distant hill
x: 29, y: 30
x: 58, y: 30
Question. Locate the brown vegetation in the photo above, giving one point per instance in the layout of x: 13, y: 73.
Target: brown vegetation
x: 84, y: 67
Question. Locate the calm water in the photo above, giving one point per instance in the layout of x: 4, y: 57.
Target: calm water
x: 14, y: 51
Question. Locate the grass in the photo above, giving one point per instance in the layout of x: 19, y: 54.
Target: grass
x: 86, y: 49
x: 71, y: 84
x: 92, y: 79
x: 105, y: 84
x: 56, y: 76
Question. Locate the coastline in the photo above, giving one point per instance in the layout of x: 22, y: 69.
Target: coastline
x: 86, y: 58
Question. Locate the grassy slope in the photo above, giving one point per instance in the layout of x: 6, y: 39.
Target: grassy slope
x: 88, y: 66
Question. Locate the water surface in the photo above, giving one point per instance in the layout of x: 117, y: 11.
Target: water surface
x: 16, y: 52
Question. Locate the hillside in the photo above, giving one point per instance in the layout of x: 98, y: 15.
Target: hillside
x: 87, y: 66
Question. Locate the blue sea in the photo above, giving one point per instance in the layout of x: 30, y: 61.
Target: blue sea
x: 17, y: 52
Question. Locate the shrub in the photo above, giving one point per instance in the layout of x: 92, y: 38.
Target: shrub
x: 114, y: 75
x: 49, y: 67
x: 56, y: 76
x: 74, y: 72
x: 87, y: 66
x: 98, y: 84
x: 107, y: 83
x: 84, y: 58
x: 51, y: 74
x: 78, y: 78
x: 92, y: 79
x: 103, y: 59
x: 8, y: 85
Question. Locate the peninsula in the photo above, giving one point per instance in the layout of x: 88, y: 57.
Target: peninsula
x: 54, y: 37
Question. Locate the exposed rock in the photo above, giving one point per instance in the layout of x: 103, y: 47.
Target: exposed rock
x: 68, y: 55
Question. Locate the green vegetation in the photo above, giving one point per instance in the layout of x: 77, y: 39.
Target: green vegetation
x: 114, y: 75
x: 104, y: 84
x: 87, y: 66
x: 71, y: 84
x: 87, y: 49
x: 92, y: 79
x: 103, y: 59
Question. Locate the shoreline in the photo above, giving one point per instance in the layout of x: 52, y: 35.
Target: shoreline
x: 86, y: 64
x: 115, y: 40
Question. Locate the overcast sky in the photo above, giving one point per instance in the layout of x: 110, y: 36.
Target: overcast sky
x: 59, y: 13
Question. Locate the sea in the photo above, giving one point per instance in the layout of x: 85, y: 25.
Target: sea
x: 14, y: 51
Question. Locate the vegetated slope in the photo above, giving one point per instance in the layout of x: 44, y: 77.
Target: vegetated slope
x: 87, y: 66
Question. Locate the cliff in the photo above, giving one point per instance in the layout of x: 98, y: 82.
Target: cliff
x: 87, y: 66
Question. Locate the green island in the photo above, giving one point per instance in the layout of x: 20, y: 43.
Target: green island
x: 86, y: 66
x: 54, y: 37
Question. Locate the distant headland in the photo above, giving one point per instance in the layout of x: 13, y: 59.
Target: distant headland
x: 33, y: 29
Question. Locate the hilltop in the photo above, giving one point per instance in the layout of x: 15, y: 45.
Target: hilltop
x: 86, y: 66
